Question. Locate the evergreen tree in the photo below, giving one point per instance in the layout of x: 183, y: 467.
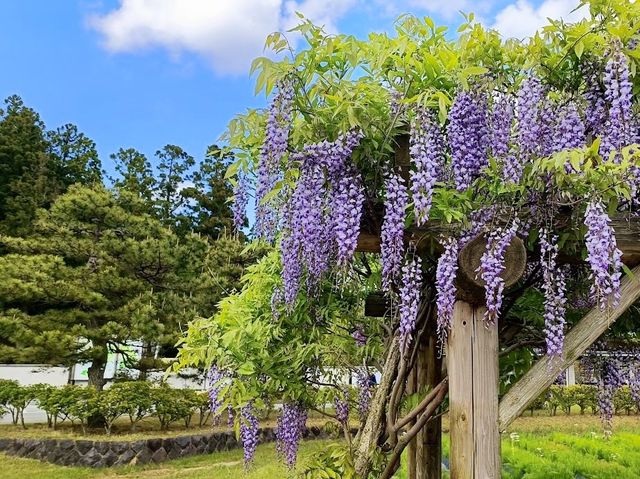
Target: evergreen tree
x: 174, y: 166
x: 25, y: 174
x: 74, y: 156
x: 208, y: 197
x: 95, y: 275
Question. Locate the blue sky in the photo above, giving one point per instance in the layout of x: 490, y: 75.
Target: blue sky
x: 144, y: 73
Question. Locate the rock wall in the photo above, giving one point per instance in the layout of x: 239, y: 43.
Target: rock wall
x: 70, y: 452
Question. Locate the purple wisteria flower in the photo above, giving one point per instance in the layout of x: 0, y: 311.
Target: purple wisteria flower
x: 410, y: 291
x: 446, y: 271
x: 492, y: 266
x: 289, y: 431
x: 530, y: 126
x: 341, y: 404
x: 500, y: 124
x: 596, y: 109
x: 215, y: 382
x: 427, y: 157
x: 240, y: 201
x: 347, y: 202
x: 468, y: 137
x: 321, y: 218
x: 570, y: 130
x: 273, y: 150
x: 604, y: 257
x: 359, y: 337
x: 364, y: 392
x: 392, y: 237
x: 554, y: 294
x: 618, y: 94
x: 248, y: 433
x: 610, y: 380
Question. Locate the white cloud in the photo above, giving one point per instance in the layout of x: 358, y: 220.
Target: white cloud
x: 522, y: 19
x: 228, y: 33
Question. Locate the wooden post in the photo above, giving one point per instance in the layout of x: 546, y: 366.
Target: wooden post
x: 472, y: 357
x: 429, y: 447
x: 412, y: 387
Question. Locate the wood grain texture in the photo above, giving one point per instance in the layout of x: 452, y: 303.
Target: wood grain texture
x: 577, y: 340
x: 486, y: 435
x: 460, y: 369
x: 429, y: 448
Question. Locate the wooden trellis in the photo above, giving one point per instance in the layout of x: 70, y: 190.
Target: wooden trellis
x: 476, y: 415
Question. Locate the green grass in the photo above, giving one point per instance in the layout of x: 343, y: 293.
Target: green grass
x: 561, y: 447
x: 222, y: 465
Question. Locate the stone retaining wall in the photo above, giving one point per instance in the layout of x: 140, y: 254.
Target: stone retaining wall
x: 70, y: 452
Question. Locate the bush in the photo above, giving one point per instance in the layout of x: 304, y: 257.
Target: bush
x: 42, y: 393
x: 75, y: 403
x: 15, y: 398
x: 623, y: 401
x: 171, y: 405
x: 135, y: 399
x: 565, y: 397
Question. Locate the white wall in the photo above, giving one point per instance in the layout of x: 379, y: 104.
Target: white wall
x: 27, y: 374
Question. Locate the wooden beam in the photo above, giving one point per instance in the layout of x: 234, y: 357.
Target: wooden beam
x: 627, y: 234
x: 581, y: 336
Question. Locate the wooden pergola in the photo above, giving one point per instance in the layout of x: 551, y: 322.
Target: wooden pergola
x: 477, y: 415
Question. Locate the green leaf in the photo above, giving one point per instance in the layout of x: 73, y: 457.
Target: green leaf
x: 247, y: 369
x: 579, y: 49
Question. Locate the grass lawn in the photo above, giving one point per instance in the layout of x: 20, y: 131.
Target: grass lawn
x: 543, y: 447
x: 221, y: 465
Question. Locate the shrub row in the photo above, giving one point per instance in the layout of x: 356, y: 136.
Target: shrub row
x: 135, y: 400
x: 583, y: 396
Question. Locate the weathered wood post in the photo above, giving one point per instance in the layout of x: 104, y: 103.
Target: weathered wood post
x: 429, y: 440
x: 472, y: 365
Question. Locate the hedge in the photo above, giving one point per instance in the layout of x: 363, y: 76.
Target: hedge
x: 584, y: 396
x: 135, y: 400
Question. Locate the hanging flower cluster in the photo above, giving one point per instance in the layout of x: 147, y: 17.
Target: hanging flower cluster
x: 596, y: 109
x: 618, y: 93
x: 529, y: 105
x: 570, y: 130
x: 240, y: 201
x: 322, y: 216
x: 491, y: 267
x: 341, y: 404
x: 364, y: 392
x: 392, y: 237
x: 215, y: 380
x: 359, y: 337
x: 410, y: 291
x: 346, y: 213
x: 273, y: 150
x: 468, y: 137
x: 289, y: 431
x: 427, y: 157
x: 604, y: 257
x: 445, y: 286
x: 554, y: 294
x: 248, y: 433
x: 500, y: 124
x: 610, y: 380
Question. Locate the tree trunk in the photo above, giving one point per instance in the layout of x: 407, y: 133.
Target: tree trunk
x: 374, y: 426
x: 98, y: 366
